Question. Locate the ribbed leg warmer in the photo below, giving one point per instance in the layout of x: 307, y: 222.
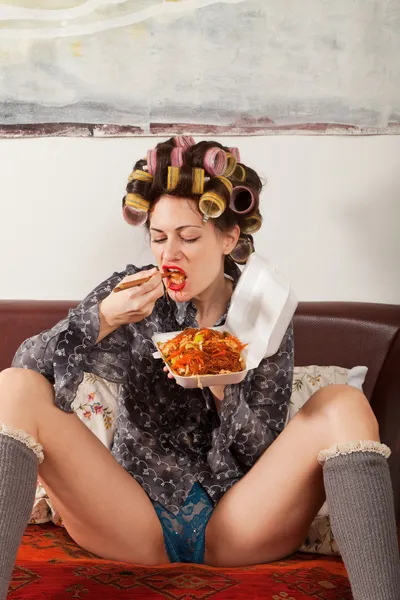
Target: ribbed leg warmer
x: 20, y: 456
x: 360, y: 498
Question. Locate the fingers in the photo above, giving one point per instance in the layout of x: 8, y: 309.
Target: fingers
x: 139, y: 275
x: 145, y: 293
x: 144, y: 287
x: 148, y: 298
x: 133, y: 304
x: 143, y: 305
x: 150, y: 285
x: 166, y: 370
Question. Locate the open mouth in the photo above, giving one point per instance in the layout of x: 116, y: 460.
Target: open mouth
x: 177, y: 277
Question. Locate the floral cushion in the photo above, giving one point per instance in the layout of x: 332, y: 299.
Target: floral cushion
x: 95, y: 404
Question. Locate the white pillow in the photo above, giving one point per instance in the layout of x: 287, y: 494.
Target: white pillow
x: 306, y: 381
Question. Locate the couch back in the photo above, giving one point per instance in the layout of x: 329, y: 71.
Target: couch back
x: 345, y: 334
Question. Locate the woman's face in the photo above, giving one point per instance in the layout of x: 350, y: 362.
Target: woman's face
x: 181, y: 240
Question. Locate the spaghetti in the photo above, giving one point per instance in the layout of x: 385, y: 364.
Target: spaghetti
x: 195, y: 352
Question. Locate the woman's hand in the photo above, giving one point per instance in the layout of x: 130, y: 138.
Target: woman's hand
x: 132, y: 305
x: 166, y: 370
x: 217, y: 391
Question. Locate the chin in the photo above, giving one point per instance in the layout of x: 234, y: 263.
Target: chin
x: 179, y: 295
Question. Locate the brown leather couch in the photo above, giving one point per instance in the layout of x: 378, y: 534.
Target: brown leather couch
x: 326, y: 333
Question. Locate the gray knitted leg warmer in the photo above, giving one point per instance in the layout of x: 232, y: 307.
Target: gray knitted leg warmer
x: 360, y: 499
x: 20, y: 456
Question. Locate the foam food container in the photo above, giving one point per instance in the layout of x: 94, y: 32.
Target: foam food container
x: 261, y: 308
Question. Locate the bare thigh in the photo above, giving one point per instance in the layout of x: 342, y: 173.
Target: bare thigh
x: 103, y: 508
x: 267, y: 514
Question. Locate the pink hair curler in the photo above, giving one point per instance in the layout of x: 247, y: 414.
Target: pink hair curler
x: 152, y: 161
x: 236, y: 153
x: 177, y: 157
x: 135, y: 209
x: 184, y: 141
x: 215, y: 161
x: 133, y: 216
x: 243, y: 200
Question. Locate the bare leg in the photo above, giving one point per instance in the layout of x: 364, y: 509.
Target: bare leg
x: 103, y: 508
x: 267, y: 514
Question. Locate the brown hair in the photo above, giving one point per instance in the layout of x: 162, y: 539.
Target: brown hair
x: 239, y: 176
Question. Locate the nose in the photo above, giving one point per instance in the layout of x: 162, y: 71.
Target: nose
x: 172, y: 251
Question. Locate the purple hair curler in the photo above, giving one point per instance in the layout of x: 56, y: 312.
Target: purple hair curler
x: 215, y: 161
x: 243, y: 200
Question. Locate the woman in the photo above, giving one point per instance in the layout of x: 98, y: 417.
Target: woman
x: 194, y: 475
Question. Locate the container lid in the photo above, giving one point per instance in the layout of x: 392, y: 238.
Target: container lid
x: 262, y: 306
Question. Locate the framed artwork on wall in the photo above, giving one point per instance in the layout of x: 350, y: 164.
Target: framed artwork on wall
x: 252, y: 67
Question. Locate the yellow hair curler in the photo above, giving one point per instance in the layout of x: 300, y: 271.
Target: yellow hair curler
x: 231, y: 165
x: 228, y: 184
x: 252, y: 223
x: 139, y: 175
x: 198, y: 181
x: 173, y: 178
x: 212, y: 205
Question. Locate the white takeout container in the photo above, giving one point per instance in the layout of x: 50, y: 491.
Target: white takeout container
x: 262, y: 306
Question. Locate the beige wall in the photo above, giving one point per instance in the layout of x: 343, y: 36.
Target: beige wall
x: 331, y: 208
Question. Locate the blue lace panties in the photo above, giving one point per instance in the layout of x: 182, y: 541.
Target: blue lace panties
x: 184, y: 533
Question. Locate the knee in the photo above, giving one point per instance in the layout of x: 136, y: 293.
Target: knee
x: 19, y: 386
x: 341, y: 403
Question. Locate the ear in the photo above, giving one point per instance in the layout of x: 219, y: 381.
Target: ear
x: 230, y: 239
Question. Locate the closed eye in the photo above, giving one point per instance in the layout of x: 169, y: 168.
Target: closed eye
x: 161, y: 240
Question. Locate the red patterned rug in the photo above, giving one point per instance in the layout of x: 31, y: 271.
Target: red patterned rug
x: 50, y: 566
